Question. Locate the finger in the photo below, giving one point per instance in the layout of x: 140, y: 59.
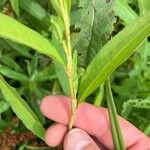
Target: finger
x: 77, y: 139
x: 141, y: 144
x: 56, y: 108
x: 55, y: 134
x: 93, y: 120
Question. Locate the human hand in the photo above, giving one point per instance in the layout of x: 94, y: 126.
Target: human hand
x: 92, y: 128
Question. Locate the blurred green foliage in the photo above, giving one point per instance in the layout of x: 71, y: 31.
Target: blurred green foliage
x: 34, y: 75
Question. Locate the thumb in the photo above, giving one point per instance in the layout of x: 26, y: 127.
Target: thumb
x: 77, y: 139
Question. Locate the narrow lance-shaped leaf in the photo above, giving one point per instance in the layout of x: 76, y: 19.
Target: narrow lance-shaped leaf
x: 17, y: 32
x: 60, y: 72
x: 115, y: 128
x: 144, y: 7
x: 59, y: 69
x: 36, y: 10
x: 10, y: 62
x: 124, y: 11
x: 21, y: 49
x: 8, y: 72
x: 114, y: 53
x: 22, y: 110
x: 55, y: 5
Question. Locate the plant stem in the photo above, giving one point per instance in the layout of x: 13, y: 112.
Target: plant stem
x: 68, y: 50
x: 115, y: 128
x: 36, y: 148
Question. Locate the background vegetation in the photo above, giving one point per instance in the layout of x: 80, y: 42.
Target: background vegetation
x: 34, y: 75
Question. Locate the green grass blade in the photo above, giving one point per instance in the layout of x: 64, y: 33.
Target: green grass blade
x: 22, y: 110
x: 114, y: 53
x: 115, y: 128
x: 17, y: 32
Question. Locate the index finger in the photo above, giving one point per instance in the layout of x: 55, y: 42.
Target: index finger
x: 92, y: 119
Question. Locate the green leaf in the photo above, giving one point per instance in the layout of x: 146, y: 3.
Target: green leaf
x: 6, y: 71
x: 144, y: 6
x: 15, y: 6
x: 62, y: 77
x: 8, y: 61
x: 47, y: 73
x: 19, y: 48
x: 17, y: 32
x: 33, y: 8
x: 55, y: 5
x: 126, y: 89
x: 74, y: 16
x: 3, y: 125
x: 114, y: 53
x: 124, y: 11
x: 135, y: 103
x: 22, y: 110
x: 99, y: 97
x: 58, y: 44
x: 68, y: 4
x: 115, y: 128
x: 57, y: 27
x: 32, y: 66
x: 3, y: 106
x: 147, y: 130
x: 96, y: 24
x: 2, y: 2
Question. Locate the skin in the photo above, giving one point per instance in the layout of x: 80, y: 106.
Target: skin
x: 92, y: 127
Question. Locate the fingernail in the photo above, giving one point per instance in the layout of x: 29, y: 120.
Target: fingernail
x: 78, y: 140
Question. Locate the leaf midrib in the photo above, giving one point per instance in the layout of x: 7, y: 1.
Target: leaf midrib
x: 82, y: 96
